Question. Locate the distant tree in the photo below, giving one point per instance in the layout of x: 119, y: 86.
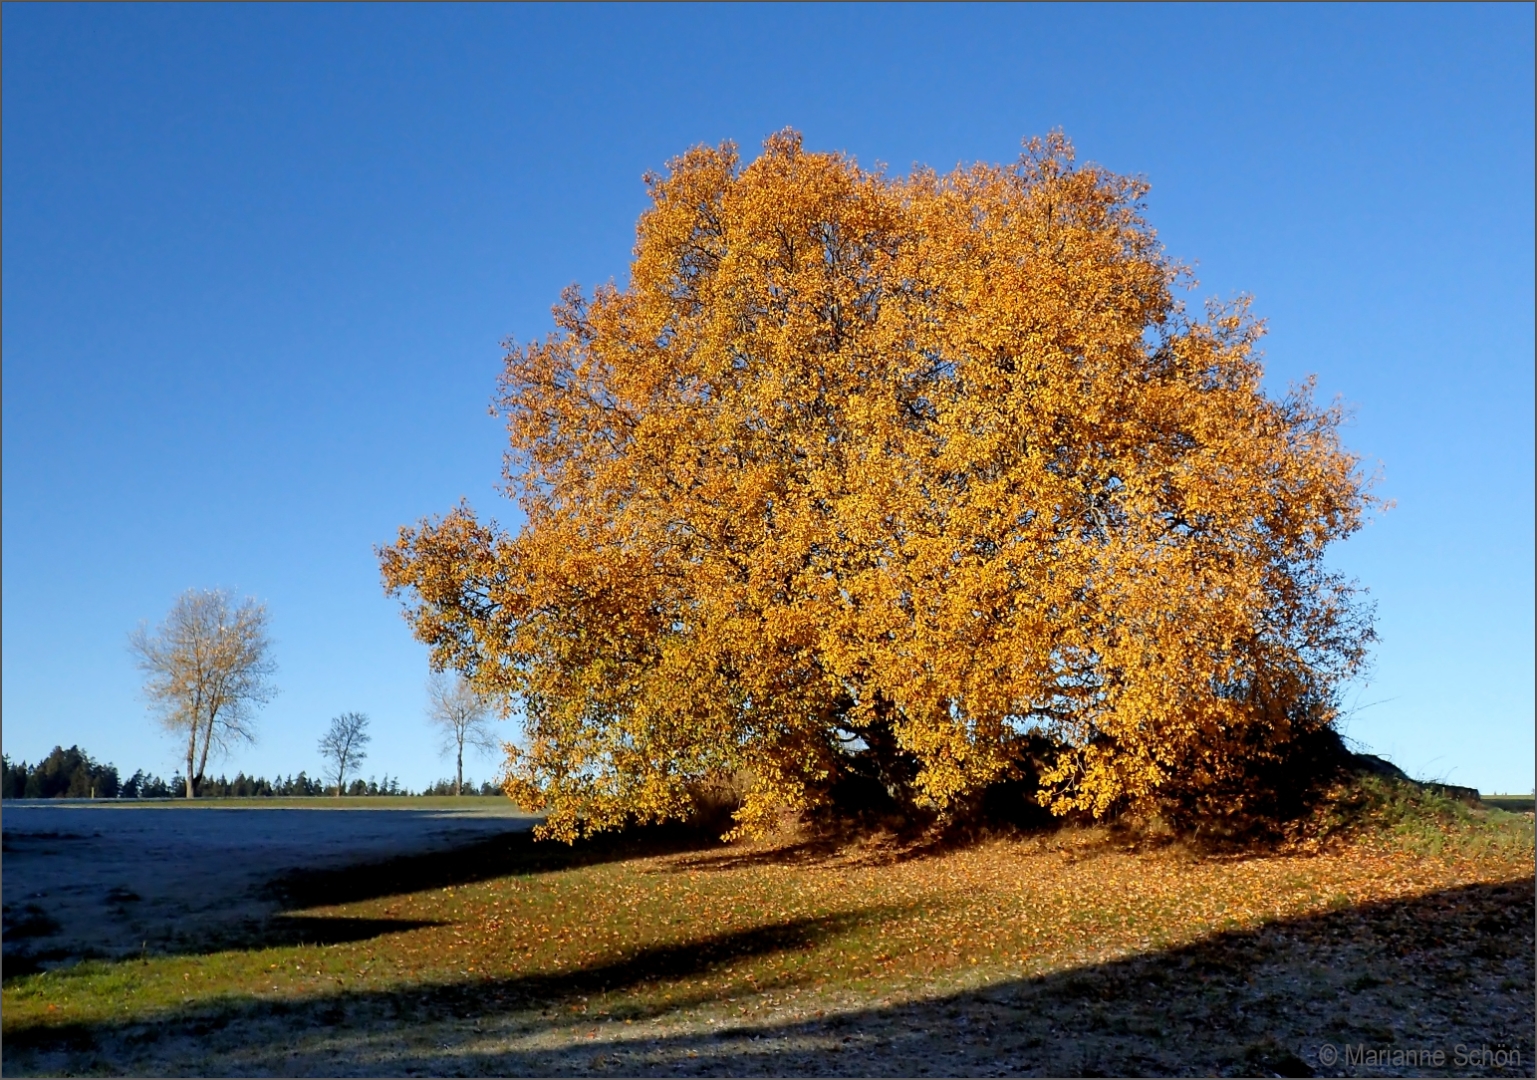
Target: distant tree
x: 13, y: 778
x: 462, y: 716
x: 342, y: 746
x: 143, y: 785
x: 152, y: 787
x: 105, y: 783
x: 446, y: 786
x: 292, y: 785
x: 63, y: 774
x: 207, y: 668
x: 245, y: 786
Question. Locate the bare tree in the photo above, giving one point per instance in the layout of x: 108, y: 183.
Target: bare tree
x: 342, y: 745
x: 462, y: 716
x: 207, y: 669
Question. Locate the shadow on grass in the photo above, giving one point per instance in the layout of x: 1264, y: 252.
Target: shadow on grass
x: 482, y: 997
x: 33, y: 941
x: 505, y: 855
x: 276, y: 931
x: 286, y: 930
x: 1449, y: 968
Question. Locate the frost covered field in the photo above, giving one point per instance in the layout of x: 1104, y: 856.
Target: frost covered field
x: 109, y: 880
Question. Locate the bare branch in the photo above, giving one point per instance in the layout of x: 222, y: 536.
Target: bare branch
x: 342, y: 745
x: 463, y: 717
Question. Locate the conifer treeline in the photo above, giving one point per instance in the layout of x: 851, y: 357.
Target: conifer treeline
x: 63, y: 774
x: 73, y: 774
x: 446, y: 787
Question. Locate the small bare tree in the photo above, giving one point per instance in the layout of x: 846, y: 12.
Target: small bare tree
x: 462, y: 716
x: 342, y: 745
x: 207, y: 668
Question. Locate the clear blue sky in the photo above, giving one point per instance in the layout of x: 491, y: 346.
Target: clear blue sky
x: 257, y: 263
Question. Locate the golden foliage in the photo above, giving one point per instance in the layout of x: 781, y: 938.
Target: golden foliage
x: 933, y: 462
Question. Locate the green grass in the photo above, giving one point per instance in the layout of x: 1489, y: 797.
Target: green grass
x: 1420, y: 819
x: 1511, y: 803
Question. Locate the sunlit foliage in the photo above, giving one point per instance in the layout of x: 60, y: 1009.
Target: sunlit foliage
x: 903, y: 469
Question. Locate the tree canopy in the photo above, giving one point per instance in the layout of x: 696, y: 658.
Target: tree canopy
x: 901, y: 474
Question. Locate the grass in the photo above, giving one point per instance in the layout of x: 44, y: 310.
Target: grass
x: 1514, y: 803
x: 654, y: 955
x: 1423, y: 820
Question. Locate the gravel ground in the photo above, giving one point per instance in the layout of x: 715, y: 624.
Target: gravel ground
x: 113, y: 880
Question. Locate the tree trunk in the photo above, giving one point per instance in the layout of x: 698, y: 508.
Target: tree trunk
x: 459, y: 771
x: 202, y: 765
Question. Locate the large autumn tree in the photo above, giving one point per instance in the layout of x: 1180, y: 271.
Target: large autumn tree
x: 900, y: 474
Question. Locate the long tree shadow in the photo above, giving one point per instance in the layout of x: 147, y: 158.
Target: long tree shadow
x: 287, y: 930
x: 35, y: 941
x: 504, y: 855
x: 657, y: 964
x: 1447, y: 970
x: 275, y: 931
